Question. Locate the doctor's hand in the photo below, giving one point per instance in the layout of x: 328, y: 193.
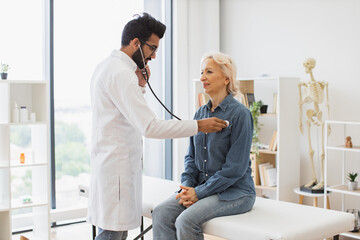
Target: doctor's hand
x: 140, y: 76
x: 187, y: 196
x: 213, y: 124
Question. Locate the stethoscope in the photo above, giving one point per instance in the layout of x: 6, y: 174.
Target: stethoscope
x: 146, y: 77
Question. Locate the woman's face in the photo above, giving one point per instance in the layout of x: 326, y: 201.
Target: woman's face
x: 213, y: 79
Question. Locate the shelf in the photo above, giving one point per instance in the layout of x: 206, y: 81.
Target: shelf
x: 4, y: 208
x: 355, y: 235
x: 15, y: 204
x: 33, y: 176
x: 268, y: 115
x: 343, y: 122
x: 267, y: 151
x: 24, y: 124
x: 265, y: 187
x: 24, y: 81
x: 258, y: 78
x: 343, y: 189
x: 343, y: 148
x: 19, y: 165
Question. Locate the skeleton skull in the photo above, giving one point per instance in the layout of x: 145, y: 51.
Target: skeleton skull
x: 309, y: 64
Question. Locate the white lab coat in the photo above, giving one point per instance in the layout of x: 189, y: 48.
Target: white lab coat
x: 120, y: 117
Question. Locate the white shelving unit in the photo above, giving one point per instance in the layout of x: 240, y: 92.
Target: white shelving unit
x: 342, y: 188
x: 34, y: 95
x: 285, y: 122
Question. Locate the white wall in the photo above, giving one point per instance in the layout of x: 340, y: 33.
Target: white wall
x: 274, y: 37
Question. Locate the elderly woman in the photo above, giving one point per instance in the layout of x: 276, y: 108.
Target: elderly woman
x: 217, y: 179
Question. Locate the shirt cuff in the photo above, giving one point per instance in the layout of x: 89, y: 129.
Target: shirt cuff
x: 187, y: 183
x: 143, y: 89
x: 200, y: 191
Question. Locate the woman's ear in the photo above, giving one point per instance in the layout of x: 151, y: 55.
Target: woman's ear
x: 227, y: 81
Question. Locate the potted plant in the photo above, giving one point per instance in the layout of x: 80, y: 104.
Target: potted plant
x: 352, y: 184
x: 255, y: 112
x: 3, y: 70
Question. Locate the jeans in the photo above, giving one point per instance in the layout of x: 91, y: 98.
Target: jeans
x: 173, y: 221
x: 111, y: 235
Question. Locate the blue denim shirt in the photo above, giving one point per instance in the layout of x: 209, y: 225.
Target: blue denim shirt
x: 219, y: 163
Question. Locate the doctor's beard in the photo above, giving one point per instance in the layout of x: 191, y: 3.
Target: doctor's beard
x: 136, y: 57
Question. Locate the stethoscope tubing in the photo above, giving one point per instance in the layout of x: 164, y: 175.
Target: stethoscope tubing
x: 146, y: 77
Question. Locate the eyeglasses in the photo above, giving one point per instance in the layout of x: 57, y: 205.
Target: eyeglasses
x: 154, y: 48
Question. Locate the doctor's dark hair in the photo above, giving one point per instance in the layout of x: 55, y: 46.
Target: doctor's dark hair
x: 142, y: 27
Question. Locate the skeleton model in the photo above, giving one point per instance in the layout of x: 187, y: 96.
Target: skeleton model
x: 314, y: 93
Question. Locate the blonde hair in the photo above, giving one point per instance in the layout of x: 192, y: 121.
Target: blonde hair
x: 227, y: 66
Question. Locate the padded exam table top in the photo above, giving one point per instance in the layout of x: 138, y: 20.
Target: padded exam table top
x: 269, y: 219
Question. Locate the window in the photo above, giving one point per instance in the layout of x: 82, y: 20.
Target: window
x: 85, y: 32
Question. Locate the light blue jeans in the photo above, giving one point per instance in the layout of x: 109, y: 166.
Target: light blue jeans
x: 173, y: 221
x: 111, y: 235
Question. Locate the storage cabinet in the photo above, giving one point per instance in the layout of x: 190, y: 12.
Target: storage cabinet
x: 285, y: 121
x: 348, y: 162
x: 24, y: 187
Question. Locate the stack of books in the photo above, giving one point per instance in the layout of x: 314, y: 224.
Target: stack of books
x: 273, y: 142
x: 246, y: 93
x: 247, y: 99
x: 275, y: 103
x: 268, y: 175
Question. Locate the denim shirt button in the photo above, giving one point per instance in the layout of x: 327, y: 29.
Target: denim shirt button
x: 206, y: 175
x: 205, y: 160
x: 204, y: 147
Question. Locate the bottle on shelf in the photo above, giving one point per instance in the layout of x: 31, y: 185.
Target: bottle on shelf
x: 23, y: 114
x: 32, y: 117
x: 22, y: 158
x: 16, y: 113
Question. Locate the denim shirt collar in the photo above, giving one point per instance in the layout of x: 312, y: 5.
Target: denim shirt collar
x: 223, y: 105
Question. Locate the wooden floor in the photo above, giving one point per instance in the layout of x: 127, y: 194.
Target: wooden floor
x: 83, y: 231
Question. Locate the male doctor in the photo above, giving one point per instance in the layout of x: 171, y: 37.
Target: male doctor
x: 120, y: 117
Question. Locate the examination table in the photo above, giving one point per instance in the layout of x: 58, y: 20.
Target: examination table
x: 269, y: 219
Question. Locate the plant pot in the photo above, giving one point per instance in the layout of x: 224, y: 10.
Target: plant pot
x: 263, y: 109
x: 4, y: 76
x: 356, y: 214
x: 352, y: 185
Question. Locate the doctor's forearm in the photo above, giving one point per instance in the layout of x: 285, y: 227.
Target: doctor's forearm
x: 213, y: 124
